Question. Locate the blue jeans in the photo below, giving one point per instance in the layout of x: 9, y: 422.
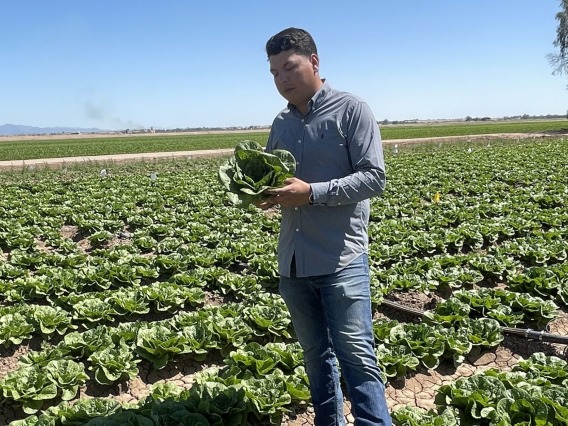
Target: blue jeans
x: 332, y: 318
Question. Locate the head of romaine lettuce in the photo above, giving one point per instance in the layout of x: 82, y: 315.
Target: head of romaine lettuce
x: 251, y: 171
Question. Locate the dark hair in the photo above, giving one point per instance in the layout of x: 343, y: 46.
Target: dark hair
x: 296, y: 39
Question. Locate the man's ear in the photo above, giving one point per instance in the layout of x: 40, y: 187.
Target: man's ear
x: 314, y: 60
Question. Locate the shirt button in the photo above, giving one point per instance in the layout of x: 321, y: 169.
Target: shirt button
x: 303, y: 120
x: 297, y: 230
x: 299, y: 140
x: 295, y: 208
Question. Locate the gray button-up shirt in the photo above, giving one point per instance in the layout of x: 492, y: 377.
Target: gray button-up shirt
x: 338, y: 150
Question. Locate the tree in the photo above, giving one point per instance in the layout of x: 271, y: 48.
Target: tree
x: 559, y: 60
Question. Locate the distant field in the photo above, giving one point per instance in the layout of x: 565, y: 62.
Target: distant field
x: 78, y: 147
x: 472, y: 128
x: 53, y: 147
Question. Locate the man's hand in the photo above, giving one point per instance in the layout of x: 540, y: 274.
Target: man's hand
x: 295, y: 192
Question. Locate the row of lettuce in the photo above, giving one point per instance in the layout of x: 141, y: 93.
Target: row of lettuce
x: 111, y: 353
x: 69, y: 311
x: 260, y: 382
x: 535, y: 392
x: 267, y: 379
x: 83, y: 253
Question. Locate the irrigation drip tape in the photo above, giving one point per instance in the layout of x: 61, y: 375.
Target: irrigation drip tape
x: 527, y: 333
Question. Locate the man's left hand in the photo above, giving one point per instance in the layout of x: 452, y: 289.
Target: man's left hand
x: 295, y: 192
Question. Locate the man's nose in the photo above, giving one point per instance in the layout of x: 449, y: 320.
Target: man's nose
x: 282, y: 77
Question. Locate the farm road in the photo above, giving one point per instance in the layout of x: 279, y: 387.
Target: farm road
x: 116, y: 158
x: 153, y: 156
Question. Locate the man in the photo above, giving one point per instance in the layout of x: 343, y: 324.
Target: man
x: 323, y: 244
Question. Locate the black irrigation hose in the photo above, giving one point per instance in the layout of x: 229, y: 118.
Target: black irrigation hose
x: 527, y: 333
x: 530, y: 334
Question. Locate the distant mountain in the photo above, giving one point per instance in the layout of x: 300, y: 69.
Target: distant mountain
x: 20, y: 130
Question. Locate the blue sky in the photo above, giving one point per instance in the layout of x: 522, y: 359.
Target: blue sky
x: 140, y: 63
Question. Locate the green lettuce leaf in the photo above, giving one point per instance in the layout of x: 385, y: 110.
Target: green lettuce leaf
x: 251, y: 171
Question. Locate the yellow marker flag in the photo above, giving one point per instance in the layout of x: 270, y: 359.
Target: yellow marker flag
x: 436, y: 198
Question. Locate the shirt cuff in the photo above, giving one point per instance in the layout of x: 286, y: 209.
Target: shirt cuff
x: 318, y: 193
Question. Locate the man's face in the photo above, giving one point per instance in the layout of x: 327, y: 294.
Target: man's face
x: 296, y: 76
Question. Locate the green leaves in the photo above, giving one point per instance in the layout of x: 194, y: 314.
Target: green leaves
x: 51, y: 319
x: 507, y: 307
x: 552, y: 368
x: 412, y: 416
x: 68, y: 375
x: 251, y: 171
x: 170, y: 297
x: 159, y: 344
x: 270, y: 317
x: 521, y: 408
x: 112, y: 364
x: 14, y: 328
x: 473, y: 395
x: 523, y: 396
x: 405, y: 346
x: 263, y: 359
x: 221, y: 404
x: 31, y: 385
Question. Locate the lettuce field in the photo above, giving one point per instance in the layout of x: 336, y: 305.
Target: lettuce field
x: 136, y: 294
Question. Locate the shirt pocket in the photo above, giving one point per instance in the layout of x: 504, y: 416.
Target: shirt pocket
x: 328, y: 152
